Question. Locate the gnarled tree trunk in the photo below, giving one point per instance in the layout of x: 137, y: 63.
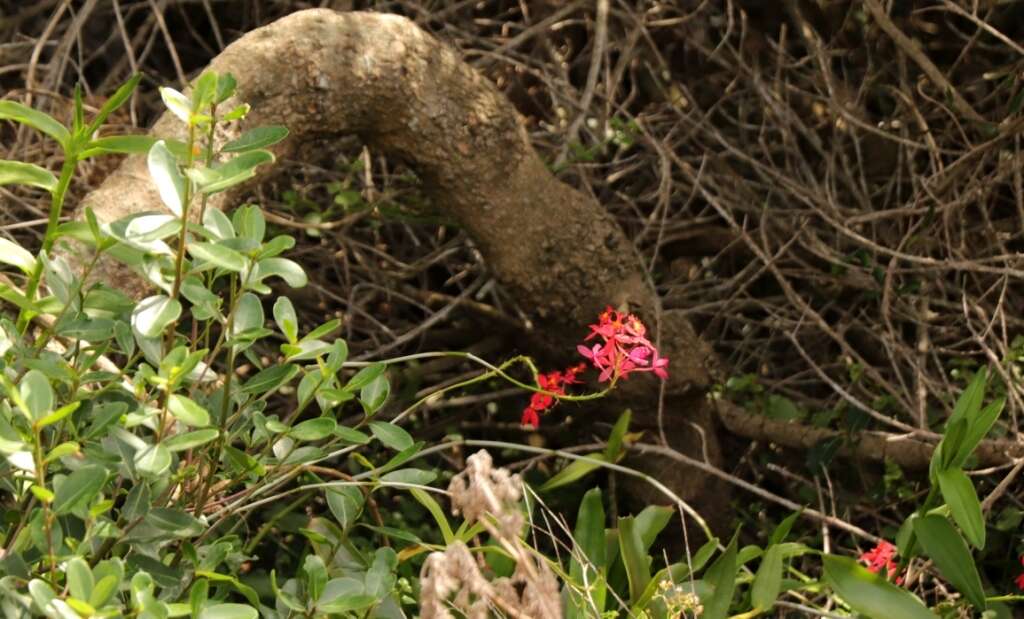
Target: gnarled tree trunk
x: 556, y: 249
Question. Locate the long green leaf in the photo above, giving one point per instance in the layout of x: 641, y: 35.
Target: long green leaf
x: 651, y: 521
x: 949, y: 551
x: 969, y: 402
x: 15, y: 255
x: 12, y: 110
x: 613, y: 450
x: 575, y: 470
x: 638, y: 572
x: 959, y: 494
x: 115, y: 101
x: 722, y: 577
x: 768, y: 581
x: 675, y: 573
x: 870, y: 594
x: 259, y: 137
x: 435, y: 510
x: 20, y: 173
x: 587, y: 567
x: 977, y: 428
x: 119, y: 144
x: 952, y: 441
x: 782, y: 531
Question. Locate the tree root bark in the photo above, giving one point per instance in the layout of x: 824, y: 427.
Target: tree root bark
x: 910, y: 452
x: 556, y: 249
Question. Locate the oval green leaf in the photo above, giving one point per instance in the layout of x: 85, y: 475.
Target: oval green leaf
x: 229, y: 611
x: 373, y: 395
x: 79, y: 488
x: 365, y: 376
x: 270, y: 378
x: 79, y: 578
x: 170, y: 183
x: 153, y: 460
x: 286, y: 269
x: 153, y: 314
x: 286, y: 319
x: 36, y: 392
x: 219, y: 255
x: 187, y: 411
x: 191, y: 440
x: 391, y: 435
x: 313, y: 429
x: 346, y: 503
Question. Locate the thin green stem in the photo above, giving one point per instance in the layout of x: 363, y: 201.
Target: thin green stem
x: 208, y: 156
x: 186, y: 200
x: 272, y: 522
x: 58, y: 196
x: 48, y: 516
x: 48, y: 332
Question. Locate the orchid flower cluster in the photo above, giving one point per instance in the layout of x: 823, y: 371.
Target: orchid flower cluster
x: 623, y: 350
x: 881, y: 556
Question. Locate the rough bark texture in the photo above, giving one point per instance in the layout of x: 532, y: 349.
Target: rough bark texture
x: 382, y: 78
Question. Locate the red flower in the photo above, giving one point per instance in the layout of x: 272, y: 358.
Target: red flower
x: 552, y: 382
x: 881, y: 556
x: 1019, y: 581
x: 625, y: 348
x: 530, y: 417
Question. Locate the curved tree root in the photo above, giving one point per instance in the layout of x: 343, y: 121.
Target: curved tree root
x: 382, y: 78
x: 557, y: 250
